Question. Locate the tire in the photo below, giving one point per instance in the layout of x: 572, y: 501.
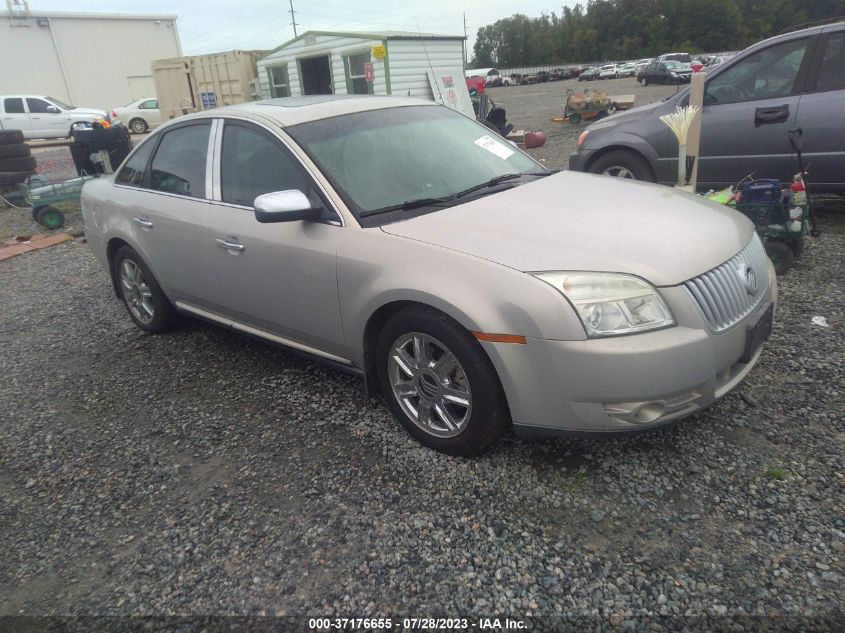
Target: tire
x: 24, y: 163
x: 474, y: 425
x: 781, y: 256
x: 15, y: 150
x: 133, y: 292
x: 14, y: 177
x: 49, y: 217
x: 622, y: 164
x: 11, y: 137
x: 643, y: 82
x: 139, y: 126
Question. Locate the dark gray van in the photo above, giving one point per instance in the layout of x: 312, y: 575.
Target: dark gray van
x: 750, y: 104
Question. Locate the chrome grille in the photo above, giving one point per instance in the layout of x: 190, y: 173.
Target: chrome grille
x: 724, y: 293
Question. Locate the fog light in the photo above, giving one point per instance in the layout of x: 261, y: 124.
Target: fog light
x: 650, y: 412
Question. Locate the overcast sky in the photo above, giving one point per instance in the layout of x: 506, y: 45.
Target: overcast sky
x: 209, y: 27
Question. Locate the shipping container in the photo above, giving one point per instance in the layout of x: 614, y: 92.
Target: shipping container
x: 202, y: 82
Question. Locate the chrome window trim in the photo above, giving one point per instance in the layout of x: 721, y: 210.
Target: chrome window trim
x: 209, y: 159
x: 215, y: 161
x: 291, y: 148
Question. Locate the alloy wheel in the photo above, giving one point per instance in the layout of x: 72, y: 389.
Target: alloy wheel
x: 617, y: 171
x: 136, y: 291
x: 429, y: 384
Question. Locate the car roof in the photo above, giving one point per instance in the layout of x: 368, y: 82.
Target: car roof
x: 286, y: 111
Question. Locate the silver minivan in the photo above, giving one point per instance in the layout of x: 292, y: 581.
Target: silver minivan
x: 751, y: 102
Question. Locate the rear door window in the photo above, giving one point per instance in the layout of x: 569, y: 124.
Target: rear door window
x: 178, y: 166
x: 13, y: 105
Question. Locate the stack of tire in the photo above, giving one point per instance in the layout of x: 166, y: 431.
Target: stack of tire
x: 16, y: 161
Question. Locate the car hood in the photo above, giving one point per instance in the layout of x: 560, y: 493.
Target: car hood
x: 575, y: 221
x: 88, y: 112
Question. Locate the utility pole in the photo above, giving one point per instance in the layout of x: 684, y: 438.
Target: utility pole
x: 465, y: 40
x: 292, y: 17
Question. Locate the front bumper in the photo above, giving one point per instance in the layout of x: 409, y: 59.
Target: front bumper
x: 627, y: 383
x: 579, y: 160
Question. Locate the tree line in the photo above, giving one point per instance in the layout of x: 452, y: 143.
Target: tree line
x: 631, y: 29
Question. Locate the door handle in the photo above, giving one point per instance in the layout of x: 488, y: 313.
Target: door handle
x: 143, y: 222
x: 778, y: 114
x: 229, y: 245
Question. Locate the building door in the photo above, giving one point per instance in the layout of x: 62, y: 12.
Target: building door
x: 316, y: 74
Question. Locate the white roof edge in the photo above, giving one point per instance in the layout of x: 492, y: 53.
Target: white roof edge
x: 83, y: 16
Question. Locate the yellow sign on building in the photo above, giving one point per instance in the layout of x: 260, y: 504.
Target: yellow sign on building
x: 379, y: 52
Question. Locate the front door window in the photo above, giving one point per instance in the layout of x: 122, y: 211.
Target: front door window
x: 767, y: 74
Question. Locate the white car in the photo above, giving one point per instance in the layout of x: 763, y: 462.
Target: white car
x: 609, y: 71
x: 139, y: 116
x: 38, y: 116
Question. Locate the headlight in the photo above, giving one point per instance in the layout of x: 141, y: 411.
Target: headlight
x: 610, y: 304
x: 674, y: 74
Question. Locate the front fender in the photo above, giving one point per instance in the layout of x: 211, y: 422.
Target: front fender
x: 376, y: 268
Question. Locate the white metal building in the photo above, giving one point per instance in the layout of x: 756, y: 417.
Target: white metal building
x: 389, y: 62
x: 95, y: 60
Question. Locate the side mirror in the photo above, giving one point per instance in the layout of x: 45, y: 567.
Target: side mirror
x: 53, y: 110
x: 285, y: 206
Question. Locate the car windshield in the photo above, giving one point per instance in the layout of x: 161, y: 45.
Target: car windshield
x: 63, y: 106
x: 608, y: 67
x: 380, y: 159
x: 679, y: 57
x: 674, y: 65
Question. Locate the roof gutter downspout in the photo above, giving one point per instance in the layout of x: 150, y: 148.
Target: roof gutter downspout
x: 71, y: 98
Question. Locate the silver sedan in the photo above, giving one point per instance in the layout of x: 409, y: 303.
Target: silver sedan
x: 472, y: 288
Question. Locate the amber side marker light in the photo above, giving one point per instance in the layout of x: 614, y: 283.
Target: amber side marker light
x: 500, y: 338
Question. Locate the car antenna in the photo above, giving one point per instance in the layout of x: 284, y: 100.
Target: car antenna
x: 428, y: 59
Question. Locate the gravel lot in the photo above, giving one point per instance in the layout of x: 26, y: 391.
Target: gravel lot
x: 531, y: 108
x: 201, y: 472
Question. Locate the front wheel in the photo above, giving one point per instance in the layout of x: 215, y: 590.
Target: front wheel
x: 139, y: 126
x: 622, y: 164
x: 439, y: 382
x: 143, y: 297
x: 644, y: 82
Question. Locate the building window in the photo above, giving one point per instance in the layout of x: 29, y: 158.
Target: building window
x: 279, y: 86
x: 356, y: 83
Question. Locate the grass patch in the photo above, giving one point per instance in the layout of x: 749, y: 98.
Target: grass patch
x: 571, y: 485
x: 776, y: 473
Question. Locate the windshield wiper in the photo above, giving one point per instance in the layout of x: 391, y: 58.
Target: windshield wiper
x: 499, y: 180
x: 445, y: 200
x: 408, y: 205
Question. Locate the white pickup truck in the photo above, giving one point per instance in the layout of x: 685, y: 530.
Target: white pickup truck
x: 43, y: 117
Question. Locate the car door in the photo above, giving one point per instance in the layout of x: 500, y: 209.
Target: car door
x: 278, y: 278
x: 15, y: 117
x: 164, y: 207
x: 48, y: 120
x: 820, y: 115
x: 149, y: 110
x: 749, y: 108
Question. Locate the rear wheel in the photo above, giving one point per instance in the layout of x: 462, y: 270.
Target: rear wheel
x: 143, y: 297
x: 644, y: 82
x: 439, y: 382
x: 622, y: 164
